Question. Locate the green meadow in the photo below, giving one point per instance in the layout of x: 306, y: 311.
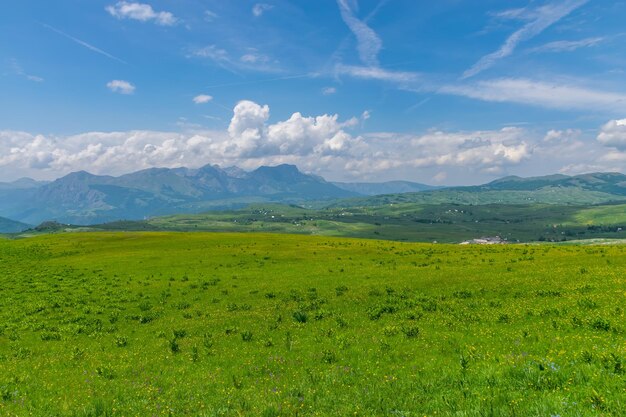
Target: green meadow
x: 225, y: 324
x: 444, y: 223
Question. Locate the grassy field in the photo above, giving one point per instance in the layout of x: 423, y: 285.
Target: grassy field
x: 151, y: 324
x: 449, y: 223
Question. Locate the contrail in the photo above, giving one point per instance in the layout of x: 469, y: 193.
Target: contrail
x: 84, y: 44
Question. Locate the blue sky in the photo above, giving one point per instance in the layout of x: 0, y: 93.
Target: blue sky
x: 453, y: 92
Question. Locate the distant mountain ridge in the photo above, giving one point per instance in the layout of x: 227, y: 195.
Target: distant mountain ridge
x: 84, y: 198
x: 21, y: 184
x: 592, y: 188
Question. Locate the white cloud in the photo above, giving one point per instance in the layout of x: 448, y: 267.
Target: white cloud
x: 613, y: 134
x: 142, y: 12
x: 211, y: 52
x: 254, y: 58
x: 321, y: 144
x: 562, y: 136
x: 376, y: 73
x: 568, y: 46
x: 368, y: 42
x: 485, y: 149
x: 121, y: 86
x: 260, y: 8
x: 327, y: 91
x: 542, y: 18
x: 539, y: 93
x: 202, y: 99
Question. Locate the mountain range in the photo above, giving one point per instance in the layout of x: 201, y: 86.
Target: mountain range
x: 82, y: 198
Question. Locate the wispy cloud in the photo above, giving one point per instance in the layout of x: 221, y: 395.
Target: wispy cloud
x: 521, y: 13
x: 568, y: 46
x: 210, y: 16
x: 368, y: 42
x: 252, y: 60
x: 211, y: 52
x: 265, y: 80
x: 142, y: 12
x: 18, y: 70
x: 260, y: 8
x: 539, y: 93
x: 376, y: 73
x: 85, y: 44
x: 540, y: 19
x: 328, y: 91
x: 121, y: 87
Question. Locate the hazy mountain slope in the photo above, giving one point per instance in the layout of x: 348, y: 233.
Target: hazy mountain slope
x: 11, y: 226
x: 21, y: 184
x: 389, y: 187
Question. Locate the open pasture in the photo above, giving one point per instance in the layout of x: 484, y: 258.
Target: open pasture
x: 151, y: 324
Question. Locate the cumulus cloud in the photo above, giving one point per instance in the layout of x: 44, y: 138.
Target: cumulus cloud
x: 322, y: 144
x: 202, y: 99
x: 260, y: 8
x: 121, y: 87
x: 486, y: 149
x: 540, y: 18
x: 562, y: 136
x: 613, y: 134
x: 142, y: 12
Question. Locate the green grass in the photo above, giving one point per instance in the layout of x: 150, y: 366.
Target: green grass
x: 101, y: 324
x: 449, y: 223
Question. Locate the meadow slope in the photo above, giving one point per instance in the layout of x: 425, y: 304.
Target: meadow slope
x: 154, y: 323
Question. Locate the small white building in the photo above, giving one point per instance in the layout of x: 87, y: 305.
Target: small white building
x: 489, y: 240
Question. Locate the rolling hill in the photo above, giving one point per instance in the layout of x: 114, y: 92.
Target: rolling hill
x: 595, y: 188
